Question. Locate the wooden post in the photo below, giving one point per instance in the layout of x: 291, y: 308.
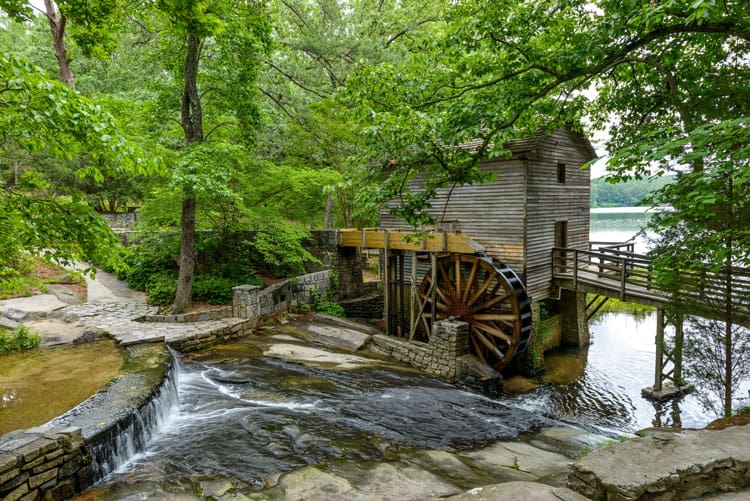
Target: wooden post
x: 386, y: 285
x: 623, y: 265
x: 677, y: 354
x: 575, y: 269
x: 401, y: 294
x: 433, y: 306
x: 659, y: 348
x: 413, y: 295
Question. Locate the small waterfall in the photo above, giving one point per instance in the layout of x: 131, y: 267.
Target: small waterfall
x: 132, y: 434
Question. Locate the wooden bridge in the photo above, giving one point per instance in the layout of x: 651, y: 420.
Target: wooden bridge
x: 614, y: 271
x: 610, y: 270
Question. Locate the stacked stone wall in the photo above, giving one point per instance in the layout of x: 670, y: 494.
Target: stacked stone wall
x: 196, y: 316
x: 441, y: 357
x: 216, y: 336
x: 368, y: 307
x: 40, y: 464
x: 250, y: 301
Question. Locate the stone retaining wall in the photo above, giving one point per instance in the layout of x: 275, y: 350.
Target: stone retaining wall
x: 440, y: 357
x: 197, y: 316
x: 364, y: 307
x: 250, y: 301
x: 37, y: 464
x: 212, y: 337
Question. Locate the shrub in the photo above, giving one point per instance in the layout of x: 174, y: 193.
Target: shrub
x: 213, y: 289
x: 161, y: 288
x: 327, y: 305
x: 19, y: 339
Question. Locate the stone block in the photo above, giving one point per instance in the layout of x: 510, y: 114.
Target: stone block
x: 31, y: 496
x: 7, y: 461
x: 8, y: 475
x: 36, y: 448
x: 34, y: 463
x: 47, y: 465
x: 14, y: 481
x: 17, y: 493
x: 38, y: 480
x: 56, y: 453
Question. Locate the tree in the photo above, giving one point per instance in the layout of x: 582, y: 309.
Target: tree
x: 232, y: 36
x: 91, y: 23
x: 491, y: 81
x: 318, y: 46
x: 40, y: 114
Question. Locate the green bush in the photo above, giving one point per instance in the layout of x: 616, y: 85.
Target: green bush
x: 19, y: 339
x: 161, y: 288
x: 327, y: 305
x: 213, y: 289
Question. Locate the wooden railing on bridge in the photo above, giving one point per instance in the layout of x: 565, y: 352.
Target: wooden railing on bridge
x: 613, y: 270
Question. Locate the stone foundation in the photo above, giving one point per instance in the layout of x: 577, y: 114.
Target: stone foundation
x: 250, y: 301
x: 370, y: 306
x: 40, y: 464
x: 440, y: 357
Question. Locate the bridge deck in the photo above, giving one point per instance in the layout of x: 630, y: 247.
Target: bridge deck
x: 613, y: 272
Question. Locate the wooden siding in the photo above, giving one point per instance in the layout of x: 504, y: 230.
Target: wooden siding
x: 549, y: 201
x: 491, y: 214
x: 514, y: 216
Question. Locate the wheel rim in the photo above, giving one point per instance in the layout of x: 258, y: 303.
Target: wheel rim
x: 490, y: 298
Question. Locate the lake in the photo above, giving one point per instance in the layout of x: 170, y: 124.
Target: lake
x: 601, y: 386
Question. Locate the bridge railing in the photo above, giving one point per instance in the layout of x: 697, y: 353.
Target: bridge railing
x: 610, y: 266
x: 629, y: 272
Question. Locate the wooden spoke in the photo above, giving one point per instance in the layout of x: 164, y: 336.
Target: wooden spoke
x: 488, y: 297
x: 492, y: 302
x: 470, y: 282
x: 495, y: 332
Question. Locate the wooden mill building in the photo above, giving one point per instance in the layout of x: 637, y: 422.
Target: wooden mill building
x: 539, y: 200
x: 489, y: 261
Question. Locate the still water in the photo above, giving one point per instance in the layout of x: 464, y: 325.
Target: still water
x: 602, y: 386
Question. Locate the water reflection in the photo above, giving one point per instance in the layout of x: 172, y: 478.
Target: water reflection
x: 602, y: 386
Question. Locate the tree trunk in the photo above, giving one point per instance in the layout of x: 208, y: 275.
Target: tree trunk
x: 328, y: 209
x: 192, y: 125
x: 57, y: 23
x: 184, y: 292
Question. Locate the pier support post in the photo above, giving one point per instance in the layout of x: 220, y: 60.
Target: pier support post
x: 668, y: 381
x: 575, y: 328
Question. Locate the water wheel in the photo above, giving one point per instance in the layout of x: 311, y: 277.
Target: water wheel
x: 491, y: 299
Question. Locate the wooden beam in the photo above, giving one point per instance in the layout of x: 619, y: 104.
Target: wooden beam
x: 409, y: 240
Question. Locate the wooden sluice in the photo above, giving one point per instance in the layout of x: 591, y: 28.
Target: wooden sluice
x: 455, y: 280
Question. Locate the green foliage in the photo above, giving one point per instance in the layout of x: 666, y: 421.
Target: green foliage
x: 326, y: 305
x: 161, y: 288
x: 630, y: 193
x: 213, y: 289
x: 282, y: 249
x: 19, y: 339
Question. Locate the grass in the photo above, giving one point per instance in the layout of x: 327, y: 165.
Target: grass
x: 30, y: 276
x: 616, y: 306
x: 18, y: 339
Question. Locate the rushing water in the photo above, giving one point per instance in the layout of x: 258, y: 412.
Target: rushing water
x: 251, y: 418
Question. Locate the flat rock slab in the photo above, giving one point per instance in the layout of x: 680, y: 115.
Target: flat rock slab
x: 332, y: 332
x: 382, y: 481
x: 316, y: 356
x: 55, y: 332
x: 520, y: 460
x: 41, y: 303
x: 528, y: 491
x: 677, y: 466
